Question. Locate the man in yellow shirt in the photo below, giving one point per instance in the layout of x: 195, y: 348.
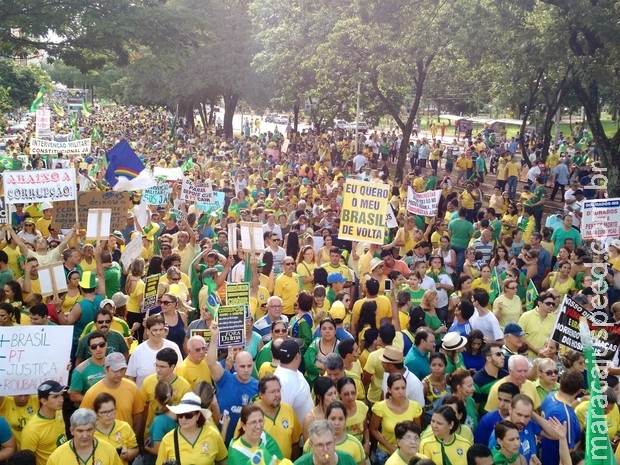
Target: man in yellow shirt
x: 42, y: 225
x: 17, y: 410
x: 288, y: 286
x: 165, y: 362
x: 45, y: 431
x: 194, y: 368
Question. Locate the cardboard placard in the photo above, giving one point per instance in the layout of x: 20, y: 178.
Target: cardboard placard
x: 364, y: 206
x: 30, y: 355
x: 204, y: 333
x: 132, y: 251
x: 252, y: 237
x: 52, y: 279
x: 231, y: 322
x: 118, y: 202
x: 232, y: 238
x: 600, y: 218
x: 157, y: 195
x: 238, y: 294
x: 423, y: 203
x: 151, y: 284
x: 216, y: 204
x: 39, y: 186
x: 195, y: 193
x: 169, y: 174
x: 98, y: 224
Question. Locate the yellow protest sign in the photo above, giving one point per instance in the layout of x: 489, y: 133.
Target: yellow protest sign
x: 363, y: 211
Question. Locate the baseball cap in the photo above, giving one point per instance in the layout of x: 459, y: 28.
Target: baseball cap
x: 289, y: 349
x: 336, y: 278
x: 116, y: 361
x: 514, y: 329
x: 337, y: 311
x: 615, y: 243
x: 106, y: 302
x: 50, y: 387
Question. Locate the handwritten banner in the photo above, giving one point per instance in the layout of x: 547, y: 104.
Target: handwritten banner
x: 192, y: 192
x: 30, y: 355
x: 39, y: 186
x: 423, y: 203
x: 364, y: 205
x: 216, y: 204
x: 118, y: 202
x: 132, y: 251
x: 74, y: 147
x: 231, y: 322
x: 605, y: 336
x: 238, y: 294
x: 157, y: 195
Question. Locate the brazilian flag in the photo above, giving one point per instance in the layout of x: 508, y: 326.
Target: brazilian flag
x: 6, y: 163
x: 530, y: 296
x: 494, y: 284
x: 38, y: 99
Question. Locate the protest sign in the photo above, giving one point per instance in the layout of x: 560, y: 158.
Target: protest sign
x: 60, y: 163
x: 73, y: 147
x: 423, y: 203
x: 252, y: 237
x: 273, y: 153
x: 42, y: 123
x: 118, y: 202
x: 216, y: 204
x: 390, y: 218
x: 4, y: 212
x: 204, y: 333
x: 169, y: 174
x: 98, y: 224
x: 157, y: 195
x: 39, y: 186
x: 52, y: 279
x: 150, y: 293
x: 132, y: 251
x: 605, y: 336
x: 364, y: 205
x: 600, y: 218
x: 30, y: 355
x: 231, y: 323
x: 238, y: 294
x: 232, y: 238
x: 193, y: 192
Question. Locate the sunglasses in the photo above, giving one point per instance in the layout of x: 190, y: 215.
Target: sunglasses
x: 99, y: 345
x: 186, y: 415
x: 103, y: 322
x: 549, y: 303
x: 166, y: 302
x: 512, y: 288
x: 550, y: 372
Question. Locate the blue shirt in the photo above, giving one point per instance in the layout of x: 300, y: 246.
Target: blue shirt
x: 418, y: 363
x: 486, y: 427
x: 232, y: 395
x: 528, y: 440
x: 553, y: 407
x: 544, y: 262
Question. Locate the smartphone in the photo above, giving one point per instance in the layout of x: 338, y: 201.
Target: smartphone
x: 388, y: 285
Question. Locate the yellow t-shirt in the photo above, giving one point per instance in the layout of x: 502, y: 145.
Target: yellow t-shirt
x: 44, y: 436
x: 128, y: 399
x: 206, y: 450
x: 613, y: 418
x: 349, y: 445
x: 305, y: 269
x: 13, y: 262
x: 284, y: 428
x: 132, y: 304
x: 287, y: 288
x: 389, y: 419
x: 121, y: 435
x: 356, y: 423
x: 456, y: 451
x: 17, y: 416
x: 42, y: 225
x: 179, y: 387
x: 193, y: 373
x: 528, y: 388
x: 104, y: 453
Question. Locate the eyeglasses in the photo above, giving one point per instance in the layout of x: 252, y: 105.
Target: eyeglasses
x: 200, y: 349
x: 549, y: 303
x: 550, y: 372
x: 279, y: 331
x: 322, y: 445
x: 105, y: 413
x: 186, y: 415
x: 104, y: 322
x: 166, y: 302
x: 99, y: 345
x: 512, y: 288
x: 177, y: 278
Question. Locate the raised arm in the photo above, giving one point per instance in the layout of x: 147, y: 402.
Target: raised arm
x: 18, y: 240
x: 214, y: 366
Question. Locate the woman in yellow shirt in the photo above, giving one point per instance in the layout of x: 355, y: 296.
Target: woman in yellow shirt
x: 134, y: 288
x: 560, y: 280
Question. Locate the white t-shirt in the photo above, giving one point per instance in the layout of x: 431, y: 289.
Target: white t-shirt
x: 142, y: 360
x: 415, y: 390
x: 295, y: 391
x: 488, y: 324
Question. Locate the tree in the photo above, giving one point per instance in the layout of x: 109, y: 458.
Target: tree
x: 21, y: 82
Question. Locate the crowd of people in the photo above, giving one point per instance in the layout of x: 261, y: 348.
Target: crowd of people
x: 421, y: 350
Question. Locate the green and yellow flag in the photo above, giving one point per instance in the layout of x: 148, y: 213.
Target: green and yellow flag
x: 598, y: 447
x: 530, y: 296
x: 38, y: 100
x: 6, y: 162
x: 57, y: 109
x: 494, y: 285
x: 85, y: 110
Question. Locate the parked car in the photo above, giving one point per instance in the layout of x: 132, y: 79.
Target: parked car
x: 361, y: 126
x: 270, y: 117
x: 281, y: 119
x: 340, y: 124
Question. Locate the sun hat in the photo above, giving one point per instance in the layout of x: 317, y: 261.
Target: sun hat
x: 392, y: 354
x: 190, y: 402
x: 453, y: 341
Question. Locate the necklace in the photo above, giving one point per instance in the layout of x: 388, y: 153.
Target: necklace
x: 77, y: 457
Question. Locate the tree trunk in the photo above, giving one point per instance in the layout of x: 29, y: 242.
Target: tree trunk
x: 296, y: 115
x: 189, y: 116
x: 230, y: 104
x: 526, y: 115
x: 203, y: 115
x: 608, y: 148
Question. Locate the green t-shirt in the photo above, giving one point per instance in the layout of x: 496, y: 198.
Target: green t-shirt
x: 116, y: 343
x: 85, y: 375
x: 461, y: 232
x: 112, y: 280
x: 539, y: 193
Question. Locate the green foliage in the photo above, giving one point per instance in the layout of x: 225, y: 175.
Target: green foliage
x: 21, y: 83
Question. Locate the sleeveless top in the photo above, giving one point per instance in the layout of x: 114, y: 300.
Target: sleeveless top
x: 176, y: 333
x: 433, y: 395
